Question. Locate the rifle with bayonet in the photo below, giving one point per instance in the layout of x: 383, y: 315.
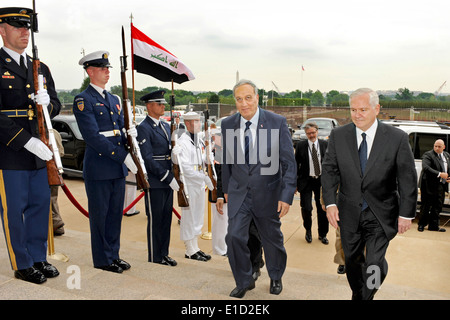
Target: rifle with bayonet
x: 183, y: 197
x: 54, y: 165
x: 132, y: 144
x: 209, y: 158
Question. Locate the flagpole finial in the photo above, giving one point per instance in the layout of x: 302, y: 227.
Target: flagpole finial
x: 131, y: 17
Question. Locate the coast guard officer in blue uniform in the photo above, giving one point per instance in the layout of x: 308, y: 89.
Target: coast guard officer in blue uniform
x: 100, y: 119
x: 154, y: 137
x: 24, y: 189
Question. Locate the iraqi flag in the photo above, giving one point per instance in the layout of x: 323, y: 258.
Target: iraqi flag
x: 152, y: 59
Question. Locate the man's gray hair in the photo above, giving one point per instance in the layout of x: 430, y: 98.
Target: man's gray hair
x: 241, y: 83
x: 373, y: 96
x: 310, y: 125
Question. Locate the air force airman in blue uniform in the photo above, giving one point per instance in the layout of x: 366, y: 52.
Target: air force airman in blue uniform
x: 154, y: 137
x: 24, y: 189
x: 100, y: 119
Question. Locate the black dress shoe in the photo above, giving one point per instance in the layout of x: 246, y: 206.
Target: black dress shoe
x: 420, y: 228
x: 240, y: 293
x: 47, y: 269
x: 207, y: 256
x: 196, y: 256
x: 31, y: 275
x: 123, y: 264
x: 275, y: 286
x: 129, y: 214
x: 324, y: 240
x: 308, y: 236
x: 437, y: 229
x: 168, y: 261
x: 111, y: 268
x: 341, y: 269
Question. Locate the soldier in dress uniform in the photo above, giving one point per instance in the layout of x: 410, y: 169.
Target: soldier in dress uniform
x: 100, y: 119
x: 190, y: 151
x: 154, y: 138
x: 24, y: 189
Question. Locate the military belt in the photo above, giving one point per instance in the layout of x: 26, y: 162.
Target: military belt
x: 18, y: 113
x: 162, y: 157
x: 111, y: 133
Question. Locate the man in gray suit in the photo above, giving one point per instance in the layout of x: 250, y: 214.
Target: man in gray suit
x: 258, y: 180
x: 372, y: 166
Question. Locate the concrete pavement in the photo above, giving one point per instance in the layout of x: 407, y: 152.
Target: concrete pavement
x: 418, y: 265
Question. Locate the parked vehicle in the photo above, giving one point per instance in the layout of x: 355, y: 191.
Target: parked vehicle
x: 422, y: 135
x: 72, y: 140
x: 325, y: 126
x: 140, y: 114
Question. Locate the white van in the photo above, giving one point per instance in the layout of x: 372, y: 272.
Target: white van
x: 422, y: 135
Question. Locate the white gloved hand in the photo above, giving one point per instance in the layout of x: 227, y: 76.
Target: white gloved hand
x: 176, y: 150
x: 174, y: 185
x: 132, y: 131
x: 38, y: 148
x: 209, y: 183
x: 130, y: 164
x: 42, y: 98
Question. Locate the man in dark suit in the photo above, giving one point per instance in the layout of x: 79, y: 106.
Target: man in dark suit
x: 434, y: 180
x: 154, y: 138
x: 258, y: 180
x: 25, y: 200
x: 309, y: 156
x: 100, y: 119
x: 372, y: 165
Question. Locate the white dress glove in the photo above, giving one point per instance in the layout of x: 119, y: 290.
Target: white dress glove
x: 132, y: 131
x: 42, y: 98
x: 176, y: 150
x: 174, y: 185
x: 130, y: 164
x: 209, y: 183
x: 38, y: 148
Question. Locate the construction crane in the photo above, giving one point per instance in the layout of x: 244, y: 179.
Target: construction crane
x: 436, y: 93
x: 276, y: 88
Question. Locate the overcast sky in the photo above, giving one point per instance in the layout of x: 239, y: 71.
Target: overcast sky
x: 343, y: 45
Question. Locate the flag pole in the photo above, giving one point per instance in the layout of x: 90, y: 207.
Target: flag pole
x: 301, y: 88
x: 132, y: 72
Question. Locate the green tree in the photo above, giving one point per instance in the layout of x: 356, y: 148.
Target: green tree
x: 85, y: 83
x: 331, y: 95
x: 404, y: 94
x: 317, y: 98
x: 213, y: 98
x: 225, y: 93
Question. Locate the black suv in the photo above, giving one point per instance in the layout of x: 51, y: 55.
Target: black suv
x: 73, y: 143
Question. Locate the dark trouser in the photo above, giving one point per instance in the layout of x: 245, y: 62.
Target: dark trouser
x: 255, y: 246
x: 365, y: 272
x: 313, y: 186
x: 105, y: 203
x: 25, y: 210
x: 159, y: 220
x: 431, y: 207
x: 239, y: 252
